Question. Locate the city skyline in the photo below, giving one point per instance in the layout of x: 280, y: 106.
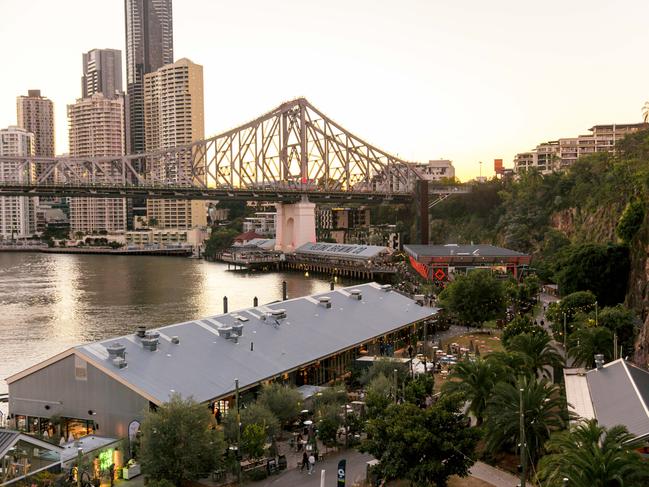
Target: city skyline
x: 511, y: 75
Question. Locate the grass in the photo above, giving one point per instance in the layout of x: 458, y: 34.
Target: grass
x: 487, y: 343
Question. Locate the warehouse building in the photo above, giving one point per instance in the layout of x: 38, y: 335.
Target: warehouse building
x: 105, y: 387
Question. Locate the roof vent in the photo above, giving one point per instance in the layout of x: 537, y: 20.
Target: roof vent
x: 175, y: 340
x: 141, y: 331
x: 119, y: 362
x: 278, y: 313
x: 243, y: 319
x: 116, y: 349
x: 225, y: 331
x: 237, y: 329
x: 325, y: 302
x: 599, y: 360
x: 150, y: 341
x: 386, y: 288
x: 356, y: 294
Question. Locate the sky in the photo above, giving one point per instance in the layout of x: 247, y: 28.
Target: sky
x: 468, y: 80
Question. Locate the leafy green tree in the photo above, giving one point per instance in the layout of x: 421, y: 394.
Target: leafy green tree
x: 587, y: 341
x: 336, y: 396
x: 520, y: 325
x: 220, y: 239
x: 570, y: 306
x: 540, y: 356
x: 283, y: 401
x: 253, y: 414
x: 591, y: 455
x: 542, y: 407
x: 475, y: 298
x: 419, y: 388
x: 380, y: 394
x: 178, y: 442
x: 630, y: 221
x: 253, y: 440
x: 385, y: 367
x: 511, y: 364
x: 424, y: 446
x: 475, y: 382
x: 622, y: 322
x: 601, y: 269
x: 328, y: 423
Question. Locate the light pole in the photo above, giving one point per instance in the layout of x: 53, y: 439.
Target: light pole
x: 565, y: 333
x: 522, y: 438
x: 79, y: 457
x: 596, y: 321
x: 396, y: 386
x: 236, y: 400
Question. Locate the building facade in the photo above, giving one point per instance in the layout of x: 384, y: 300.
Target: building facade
x: 17, y: 213
x: 262, y: 223
x: 96, y: 128
x: 149, y: 46
x: 433, y: 170
x: 35, y: 114
x: 557, y: 155
x: 173, y: 116
x: 102, y: 73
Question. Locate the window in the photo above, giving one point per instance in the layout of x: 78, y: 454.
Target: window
x: 80, y: 369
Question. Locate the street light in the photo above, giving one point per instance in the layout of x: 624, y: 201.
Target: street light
x: 522, y: 435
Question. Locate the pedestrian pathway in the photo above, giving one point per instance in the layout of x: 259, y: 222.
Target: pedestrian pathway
x: 493, y: 475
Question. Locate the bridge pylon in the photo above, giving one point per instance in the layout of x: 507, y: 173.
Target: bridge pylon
x: 294, y: 225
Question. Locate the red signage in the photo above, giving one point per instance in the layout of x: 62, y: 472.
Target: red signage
x: 440, y: 275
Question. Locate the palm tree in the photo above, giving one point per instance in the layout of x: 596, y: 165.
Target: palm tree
x: 585, y: 342
x: 512, y: 364
x: 542, y: 406
x: 645, y: 112
x: 540, y: 356
x: 593, y: 456
x: 475, y: 381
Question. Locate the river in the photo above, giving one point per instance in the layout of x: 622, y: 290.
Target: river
x: 50, y: 302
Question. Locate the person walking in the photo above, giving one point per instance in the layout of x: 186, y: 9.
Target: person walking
x: 311, y: 463
x: 305, y: 462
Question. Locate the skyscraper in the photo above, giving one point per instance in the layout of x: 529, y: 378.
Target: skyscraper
x: 173, y: 116
x: 102, y: 73
x: 35, y: 114
x: 17, y: 213
x: 97, y: 129
x: 149, y: 46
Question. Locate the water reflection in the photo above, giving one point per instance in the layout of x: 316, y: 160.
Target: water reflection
x: 51, y: 302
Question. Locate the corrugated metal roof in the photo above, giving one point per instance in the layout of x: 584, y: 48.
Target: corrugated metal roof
x: 204, y: 364
x: 577, y: 393
x: 617, y: 391
x: 346, y: 251
x: 482, y: 250
x: 7, y: 439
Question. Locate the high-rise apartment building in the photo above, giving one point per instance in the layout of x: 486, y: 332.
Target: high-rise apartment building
x: 149, y: 46
x: 102, y: 73
x: 35, y: 114
x: 433, y: 170
x: 97, y: 128
x: 17, y: 213
x: 173, y: 116
x: 557, y: 155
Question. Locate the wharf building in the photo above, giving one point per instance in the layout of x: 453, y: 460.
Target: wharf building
x: 105, y: 387
x: 174, y: 116
x: 96, y: 128
x: 17, y: 213
x: 441, y: 262
x: 557, y: 155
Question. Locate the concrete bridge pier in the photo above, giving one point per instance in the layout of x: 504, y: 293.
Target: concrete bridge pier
x: 295, y: 225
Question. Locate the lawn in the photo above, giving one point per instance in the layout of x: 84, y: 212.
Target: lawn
x: 487, y: 343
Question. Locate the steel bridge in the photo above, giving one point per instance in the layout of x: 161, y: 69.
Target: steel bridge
x: 292, y: 151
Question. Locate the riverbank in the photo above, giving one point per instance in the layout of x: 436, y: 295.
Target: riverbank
x: 176, y: 252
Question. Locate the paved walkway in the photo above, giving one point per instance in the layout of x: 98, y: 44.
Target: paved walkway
x: 493, y: 475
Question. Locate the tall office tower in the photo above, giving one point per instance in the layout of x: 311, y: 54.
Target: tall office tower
x: 102, y: 73
x: 173, y: 116
x: 149, y: 46
x: 96, y: 128
x: 17, y: 213
x: 35, y: 114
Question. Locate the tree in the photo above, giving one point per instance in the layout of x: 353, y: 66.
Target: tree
x: 419, y: 388
x: 520, y: 325
x: 220, y: 239
x: 328, y: 423
x: 378, y: 395
x: 630, y: 221
x: 622, y: 322
x: 601, y: 269
x: 540, y: 356
x: 283, y: 401
x: 570, y: 306
x: 253, y: 414
x: 587, y: 341
x: 475, y: 382
x: 475, y: 298
x: 178, y: 443
x: 385, y: 367
x: 253, y: 440
x: 591, y: 455
x: 424, y: 446
x: 542, y: 406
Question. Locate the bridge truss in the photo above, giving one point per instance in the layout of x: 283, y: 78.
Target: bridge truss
x: 291, y: 151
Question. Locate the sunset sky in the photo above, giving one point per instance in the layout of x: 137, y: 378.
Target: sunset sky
x: 465, y: 80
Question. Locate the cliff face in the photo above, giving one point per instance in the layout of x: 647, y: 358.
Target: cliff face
x: 579, y: 225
